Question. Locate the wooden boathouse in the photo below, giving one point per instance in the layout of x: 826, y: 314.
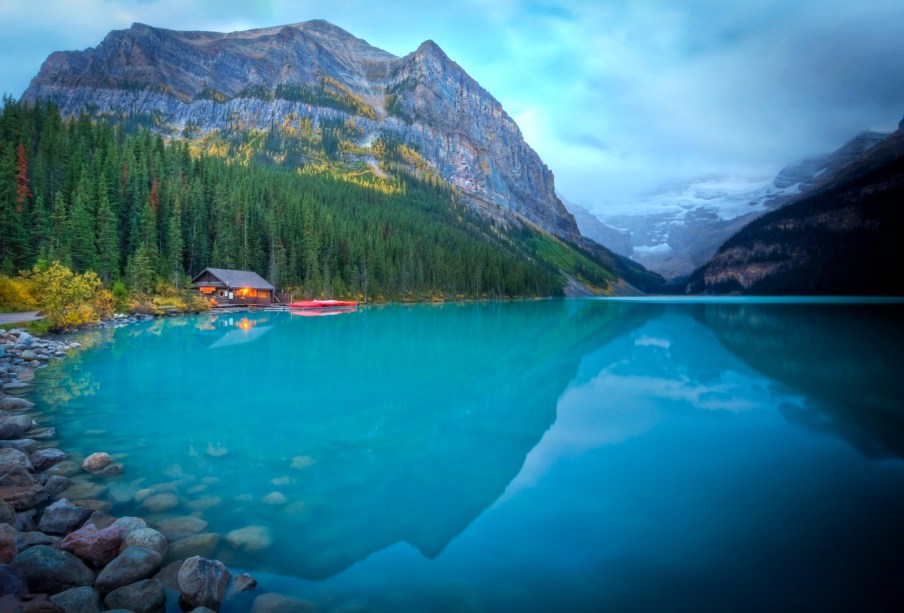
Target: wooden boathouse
x: 225, y: 287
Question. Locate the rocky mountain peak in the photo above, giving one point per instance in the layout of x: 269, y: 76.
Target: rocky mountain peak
x: 314, y: 70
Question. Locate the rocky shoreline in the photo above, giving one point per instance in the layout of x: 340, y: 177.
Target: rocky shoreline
x: 60, y: 549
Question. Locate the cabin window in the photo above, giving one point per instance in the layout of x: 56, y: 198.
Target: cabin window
x: 221, y: 293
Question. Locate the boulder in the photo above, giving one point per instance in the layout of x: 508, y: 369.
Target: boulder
x: 31, y: 538
x: 56, y: 484
x: 23, y: 497
x: 129, y: 524
x: 147, y: 538
x: 46, y: 570
x: 145, y: 596
x: 10, y: 582
x: 8, y: 546
x: 12, y: 459
x: 22, y: 444
x: 28, y: 603
x: 97, y: 461
x: 14, y: 403
x: 133, y: 564
x: 198, y: 545
x: 95, y: 547
x: 42, y: 459
x: 169, y: 575
x: 160, y: 503
x: 93, y: 505
x: 251, y: 538
x: 203, y: 582
x: 7, y: 513
x: 10, y: 430
x: 62, y: 517
x: 26, y: 521
x: 181, y: 527
x: 78, y: 599
x: 82, y: 490
x: 279, y: 603
x: 101, y: 520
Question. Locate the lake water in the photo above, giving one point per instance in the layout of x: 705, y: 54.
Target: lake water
x: 561, y: 455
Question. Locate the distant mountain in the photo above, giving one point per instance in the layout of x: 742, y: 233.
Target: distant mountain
x: 677, y: 230
x: 282, y: 92
x: 617, y: 241
x: 842, y: 236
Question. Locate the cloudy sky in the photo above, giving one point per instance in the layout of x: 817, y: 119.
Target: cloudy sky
x: 617, y: 96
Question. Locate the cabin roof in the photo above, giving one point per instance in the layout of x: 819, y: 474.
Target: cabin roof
x: 236, y: 278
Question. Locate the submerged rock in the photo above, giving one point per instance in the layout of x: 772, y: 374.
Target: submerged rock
x: 244, y: 583
x: 97, y: 461
x: 203, y: 582
x: 129, y: 524
x: 182, y: 527
x: 46, y: 570
x: 280, y: 603
x: 274, y: 499
x: 251, y: 538
x: 160, y: 503
x: 42, y: 459
x: 198, y: 545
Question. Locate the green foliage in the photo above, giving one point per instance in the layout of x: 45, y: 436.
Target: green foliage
x: 69, y: 299
x: 133, y: 208
x: 569, y: 259
x: 327, y: 93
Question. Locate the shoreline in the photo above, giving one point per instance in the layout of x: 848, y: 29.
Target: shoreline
x: 60, y: 549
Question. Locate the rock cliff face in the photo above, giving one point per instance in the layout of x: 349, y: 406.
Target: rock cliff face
x: 273, y: 77
x: 616, y: 240
x: 840, y: 237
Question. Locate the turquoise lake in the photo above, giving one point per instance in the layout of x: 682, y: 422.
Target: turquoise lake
x: 556, y: 455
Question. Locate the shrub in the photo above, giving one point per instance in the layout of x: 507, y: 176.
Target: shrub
x: 69, y: 299
x: 15, y: 294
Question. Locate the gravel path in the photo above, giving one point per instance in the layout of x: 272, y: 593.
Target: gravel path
x: 14, y: 318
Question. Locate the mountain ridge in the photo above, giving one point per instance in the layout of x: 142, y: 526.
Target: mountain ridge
x: 315, y: 71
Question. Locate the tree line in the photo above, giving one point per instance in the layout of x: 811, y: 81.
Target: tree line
x: 141, y: 211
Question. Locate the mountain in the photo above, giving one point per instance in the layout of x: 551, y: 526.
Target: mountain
x: 279, y: 90
x: 676, y: 230
x: 617, y: 241
x: 842, y: 236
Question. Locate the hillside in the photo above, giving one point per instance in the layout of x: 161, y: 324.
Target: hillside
x: 840, y: 237
x: 280, y: 93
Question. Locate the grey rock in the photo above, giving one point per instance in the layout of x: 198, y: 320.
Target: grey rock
x: 7, y: 513
x: 22, y: 444
x: 203, y: 582
x: 10, y: 430
x: 280, y: 603
x: 128, y: 524
x: 78, y: 600
x: 169, y: 575
x: 62, y: 517
x: 23, y: 497
x: 26, y: 520
x: 46, y: 570
x: 160, y: 503
x: 11, y: 459
x: 57, y: 484
x: 8, y: 547
x: 147, y: 538
x: 198, y: 545
x: 32, y: 538
x: 145, y: 596
x: 244, y: 583
x: 101, y: 520
x: 42, y: 459
x: 250, y: 538
x: 133, y: 564
x: 181, y: 527
x: 10, y: 581
x: 83, y: 490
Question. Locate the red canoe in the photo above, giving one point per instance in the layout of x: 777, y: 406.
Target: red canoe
x: 322, y: 304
